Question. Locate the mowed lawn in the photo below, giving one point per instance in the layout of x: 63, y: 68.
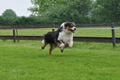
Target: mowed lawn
x: 25, y: 60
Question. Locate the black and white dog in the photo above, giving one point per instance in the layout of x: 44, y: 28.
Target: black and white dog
x: 62, y: 38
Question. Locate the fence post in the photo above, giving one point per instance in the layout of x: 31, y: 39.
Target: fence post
x: 17, y: 35
x: 53, y: 27
x: 113, y: 35
x: 14, y: 37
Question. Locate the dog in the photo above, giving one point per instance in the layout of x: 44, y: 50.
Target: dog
x: 62, y: 38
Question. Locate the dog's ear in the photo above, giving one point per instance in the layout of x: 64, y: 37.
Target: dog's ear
x: 73, y: 24
x: 67, y: 24
x: 64, y: 24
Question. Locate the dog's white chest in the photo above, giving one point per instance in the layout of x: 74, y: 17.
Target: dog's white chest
x: 66, y: 38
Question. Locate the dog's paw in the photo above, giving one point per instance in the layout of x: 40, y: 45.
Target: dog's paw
x: 42, y: 47
x: 62, y: 46
x: 70, y: 43
x: 62, y: 50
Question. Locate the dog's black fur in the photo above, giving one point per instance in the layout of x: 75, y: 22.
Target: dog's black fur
x: 51, y: 37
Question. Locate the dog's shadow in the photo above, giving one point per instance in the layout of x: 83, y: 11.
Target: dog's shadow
x: 59, y: 55
x: 46, y: 55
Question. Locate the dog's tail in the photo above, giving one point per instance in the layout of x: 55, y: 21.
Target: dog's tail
x: 43, y: 41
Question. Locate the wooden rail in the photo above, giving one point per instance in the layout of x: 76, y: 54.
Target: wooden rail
x: 78, y: 39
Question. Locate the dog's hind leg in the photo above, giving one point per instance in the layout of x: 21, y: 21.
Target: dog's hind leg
x: 44, y: 44
x: 52, y: 47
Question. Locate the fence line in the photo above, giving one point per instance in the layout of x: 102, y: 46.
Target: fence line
x: 57, y: 28
x: 75, y: 38
x: 15, y: 33
x: 99, y: 28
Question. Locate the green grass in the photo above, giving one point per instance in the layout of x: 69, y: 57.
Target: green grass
x: 79, y: 32
x: 25, y: 60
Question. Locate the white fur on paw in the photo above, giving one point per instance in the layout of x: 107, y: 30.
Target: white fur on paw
x: 62, y: 46
x: 70, y: 43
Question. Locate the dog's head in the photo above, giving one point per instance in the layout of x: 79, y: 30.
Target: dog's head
x: 69, y: 27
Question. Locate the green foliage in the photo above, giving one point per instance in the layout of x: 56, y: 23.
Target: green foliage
x: 84, y: 61
x: 107, y: 10
x: 58, y: 11
x: 20, y: 21
x: 48, y: 12
x: 7, y: 21
x: 9, y: 13
x: 42, y: 6
x: 8, y: 18
x: 79, y: 11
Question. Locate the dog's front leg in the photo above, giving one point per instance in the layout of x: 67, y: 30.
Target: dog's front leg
x: 69, y: 44
x: 61, y: 45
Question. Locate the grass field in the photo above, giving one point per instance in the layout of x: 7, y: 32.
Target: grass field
x: 79, y: 32
x: 25, y: 60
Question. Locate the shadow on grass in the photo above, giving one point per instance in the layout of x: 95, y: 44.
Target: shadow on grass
x: 59, y: 55
x: 43, y: 56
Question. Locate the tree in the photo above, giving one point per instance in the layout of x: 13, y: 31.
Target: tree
x: 9, y: 13
x: 107, y: 10
x: 57, y: 11
x: 41, y: 6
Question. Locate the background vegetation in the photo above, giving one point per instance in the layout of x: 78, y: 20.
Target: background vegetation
x: 58, y: 11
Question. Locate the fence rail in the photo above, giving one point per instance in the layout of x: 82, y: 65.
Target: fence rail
x: 112, y: 39
x: 78, y: 39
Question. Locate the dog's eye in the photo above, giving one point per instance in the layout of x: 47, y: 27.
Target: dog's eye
x: 71, y: 26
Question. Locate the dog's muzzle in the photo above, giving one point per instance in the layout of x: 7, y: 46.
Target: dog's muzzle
x: 73, y: 29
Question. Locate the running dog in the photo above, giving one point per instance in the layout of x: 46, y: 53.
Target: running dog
x: 62, y: 38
